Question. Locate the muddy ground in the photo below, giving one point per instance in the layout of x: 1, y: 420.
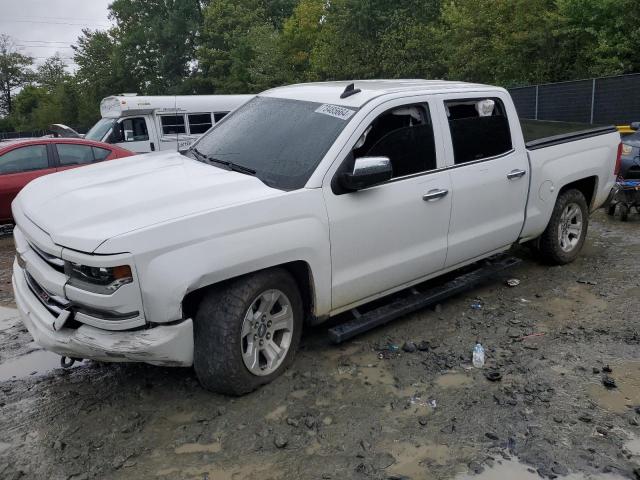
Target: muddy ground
x: 362, y: 410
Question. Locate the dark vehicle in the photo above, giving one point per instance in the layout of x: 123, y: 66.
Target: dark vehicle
x: 630, y: 167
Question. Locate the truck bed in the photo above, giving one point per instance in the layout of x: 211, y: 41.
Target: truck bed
x: 541, y: 133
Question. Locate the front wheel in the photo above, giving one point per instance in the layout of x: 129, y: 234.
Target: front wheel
x: 565, y: 234
x: 247, y: 332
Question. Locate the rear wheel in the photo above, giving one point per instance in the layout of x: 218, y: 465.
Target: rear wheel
x: 565, y: 234
x: 247, y: 332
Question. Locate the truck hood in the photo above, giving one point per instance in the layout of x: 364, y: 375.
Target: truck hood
x: 82, y: 208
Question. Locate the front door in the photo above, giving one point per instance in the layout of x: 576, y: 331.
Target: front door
x: 132, y: 133
x: 385, y: 236
x: 490, y: 177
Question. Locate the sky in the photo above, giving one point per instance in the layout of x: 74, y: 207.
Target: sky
x: 40, y: 28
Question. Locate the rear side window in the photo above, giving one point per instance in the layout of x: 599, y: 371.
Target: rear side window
x: 479, y: 128
x: 69, y: 154
x: 100, y: 153
x: 199, y: 123
x: 24, y: 159
x: 172, y: 124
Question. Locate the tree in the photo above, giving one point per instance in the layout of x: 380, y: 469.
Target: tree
x: 155, y: 41
x: 499, y: 41
x: 226, y: 48
x: 52, y: 72
x: 15, y: 72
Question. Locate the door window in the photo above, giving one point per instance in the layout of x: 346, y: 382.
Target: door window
x: 70, y: 154
x: 24, y: 159
x: 479, y: 128
x: 133, y: 130
x: 199, y: 123
x: 100, y: 153
x: 172, y: 124
x: 404, y: 135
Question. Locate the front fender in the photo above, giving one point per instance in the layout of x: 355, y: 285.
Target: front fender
x: 200, y: 251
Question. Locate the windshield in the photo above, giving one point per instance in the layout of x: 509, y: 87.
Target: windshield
x: 283, y: 141
x: 100, y: 129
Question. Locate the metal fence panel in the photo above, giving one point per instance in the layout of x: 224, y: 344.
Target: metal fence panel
x: 565, y: 102
x: 603, y: 100
x: 525, y: 101
x: 617, y: 99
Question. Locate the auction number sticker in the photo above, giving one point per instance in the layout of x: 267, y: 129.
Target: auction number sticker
x: 336, y: 111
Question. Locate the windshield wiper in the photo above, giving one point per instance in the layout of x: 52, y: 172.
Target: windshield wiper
x: 230, y: 165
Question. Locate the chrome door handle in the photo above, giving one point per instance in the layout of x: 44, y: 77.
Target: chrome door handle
x: 436, y: 194
x: 513, y: 174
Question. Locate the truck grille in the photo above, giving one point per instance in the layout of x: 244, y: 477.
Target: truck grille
x: 51, y: 302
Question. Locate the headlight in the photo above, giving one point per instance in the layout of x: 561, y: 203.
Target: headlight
x: 104, y: 280
x: 626, y: 149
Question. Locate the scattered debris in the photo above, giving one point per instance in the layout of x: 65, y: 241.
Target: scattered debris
x: 409, y: 347
x: 280, y: 442
x: 476, y: 305
x: 607, y: 369
x: 478, y: 356
x: 423, y: 346
x: 609, y: 382
x: 587, y: 282
x: 493, y: 375
x: 513, y: 282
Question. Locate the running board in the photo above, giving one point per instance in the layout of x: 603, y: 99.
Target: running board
x: 416, y: 300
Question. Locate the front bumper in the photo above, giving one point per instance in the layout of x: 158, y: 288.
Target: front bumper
x: 169, y: 345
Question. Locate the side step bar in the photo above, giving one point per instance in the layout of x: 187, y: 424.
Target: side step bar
x: 416, y: 300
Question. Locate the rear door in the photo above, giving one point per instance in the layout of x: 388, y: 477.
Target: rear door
x: 489, y: 175
x: 17, y: 168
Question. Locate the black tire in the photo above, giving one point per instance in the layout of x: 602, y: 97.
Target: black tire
x: 611, y: 209
x: 549, y: 248
x: 217, y: 356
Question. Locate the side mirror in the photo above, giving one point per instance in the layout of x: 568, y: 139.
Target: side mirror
x: 634, y: 126
x: 367, y: 171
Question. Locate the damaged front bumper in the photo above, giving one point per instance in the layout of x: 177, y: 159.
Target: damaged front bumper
x: 168, y: 345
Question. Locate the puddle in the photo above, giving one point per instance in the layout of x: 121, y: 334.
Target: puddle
x: 34, y: 363
x: 413, y: 460
x: 199, y: 448
x: 633, y: 446
x: 627, y: 377
x: 8, y: 317
x: 512, y: 469
x: 453, y: 380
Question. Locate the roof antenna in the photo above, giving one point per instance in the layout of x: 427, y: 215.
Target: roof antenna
x: 350, y: 90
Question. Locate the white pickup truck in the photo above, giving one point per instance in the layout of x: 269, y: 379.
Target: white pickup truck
x: 308, y: 201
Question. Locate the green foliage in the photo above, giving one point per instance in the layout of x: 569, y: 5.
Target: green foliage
x: 15, y: 72
x: 241, y: 46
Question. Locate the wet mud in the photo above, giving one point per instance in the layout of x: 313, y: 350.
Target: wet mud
x: 365, y: 409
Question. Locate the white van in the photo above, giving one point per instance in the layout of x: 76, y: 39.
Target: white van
x: 146, y: 124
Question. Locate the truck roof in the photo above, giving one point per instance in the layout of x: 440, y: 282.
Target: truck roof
x: 329, y: 92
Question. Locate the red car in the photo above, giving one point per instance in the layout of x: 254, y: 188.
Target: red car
x: 23, y: 160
